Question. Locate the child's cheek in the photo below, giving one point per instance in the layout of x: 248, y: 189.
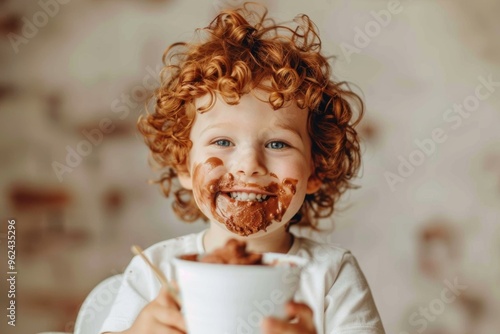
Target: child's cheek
x: 205, y: 178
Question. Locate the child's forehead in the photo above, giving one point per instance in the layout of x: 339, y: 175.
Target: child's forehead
x: 203, y: 101
x: 252, y: 112
x: 257, y: 97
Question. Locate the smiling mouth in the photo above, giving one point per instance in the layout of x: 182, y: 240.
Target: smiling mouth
x: 247, y: 196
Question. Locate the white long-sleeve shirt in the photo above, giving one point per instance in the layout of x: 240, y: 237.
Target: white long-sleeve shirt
x: 332, y: 284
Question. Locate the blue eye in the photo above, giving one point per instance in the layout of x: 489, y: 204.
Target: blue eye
x: 276, y: 145
x: 223, y: 142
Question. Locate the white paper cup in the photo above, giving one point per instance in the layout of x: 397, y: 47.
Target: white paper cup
x: 233, y: 299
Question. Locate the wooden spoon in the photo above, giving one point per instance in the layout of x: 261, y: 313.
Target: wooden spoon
x: 159, y: 274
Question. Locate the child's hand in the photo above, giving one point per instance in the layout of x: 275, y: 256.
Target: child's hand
x: 161, y: 316
x: 304, y: 323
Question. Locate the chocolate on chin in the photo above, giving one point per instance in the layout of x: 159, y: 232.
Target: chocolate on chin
x: 244, y: 218
x: 233, y: 252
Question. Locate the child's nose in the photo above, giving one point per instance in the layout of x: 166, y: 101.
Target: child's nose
x: 250, y: 162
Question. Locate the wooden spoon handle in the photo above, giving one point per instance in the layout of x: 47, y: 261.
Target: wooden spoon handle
x: 159, y: 274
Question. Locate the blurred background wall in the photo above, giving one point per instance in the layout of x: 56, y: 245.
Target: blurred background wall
x: 74, y: 76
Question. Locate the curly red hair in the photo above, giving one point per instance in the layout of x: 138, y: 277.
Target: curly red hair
x: 235, y: 57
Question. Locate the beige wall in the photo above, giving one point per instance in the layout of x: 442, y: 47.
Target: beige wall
x: 436, y: 221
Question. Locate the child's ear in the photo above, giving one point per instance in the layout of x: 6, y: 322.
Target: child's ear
x: 313, y: 184
x: 185, y: 180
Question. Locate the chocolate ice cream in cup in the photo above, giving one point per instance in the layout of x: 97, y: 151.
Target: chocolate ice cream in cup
x: 224, y: 297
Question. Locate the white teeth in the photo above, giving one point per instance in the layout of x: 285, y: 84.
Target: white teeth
x: 248, y: 197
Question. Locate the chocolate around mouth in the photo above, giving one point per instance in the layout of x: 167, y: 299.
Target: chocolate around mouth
x: 236, y: 212
x: 246, y: 217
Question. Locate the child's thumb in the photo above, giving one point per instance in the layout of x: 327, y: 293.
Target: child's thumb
x: 165, y: 299
x: 162, y: 297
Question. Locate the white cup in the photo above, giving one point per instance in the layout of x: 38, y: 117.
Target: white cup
x: 233, y: 299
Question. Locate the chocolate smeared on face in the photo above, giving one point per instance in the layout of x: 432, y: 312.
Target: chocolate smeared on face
x: 204, y: 192
x: 240, y: 216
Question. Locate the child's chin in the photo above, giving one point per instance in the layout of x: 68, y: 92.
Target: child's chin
x: 271, y: 228
x: 241, y: 217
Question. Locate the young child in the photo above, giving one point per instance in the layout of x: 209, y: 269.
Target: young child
x: 260, y: 138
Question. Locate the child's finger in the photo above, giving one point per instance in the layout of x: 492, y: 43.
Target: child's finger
x: 303, y: 313
x: 302, y: 323
x: 171, y: 318
x: 276, y: 326
x: 164, y: 298
x: 168, y: 312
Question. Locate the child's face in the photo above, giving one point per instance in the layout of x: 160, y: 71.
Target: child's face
x: 250, y: 166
